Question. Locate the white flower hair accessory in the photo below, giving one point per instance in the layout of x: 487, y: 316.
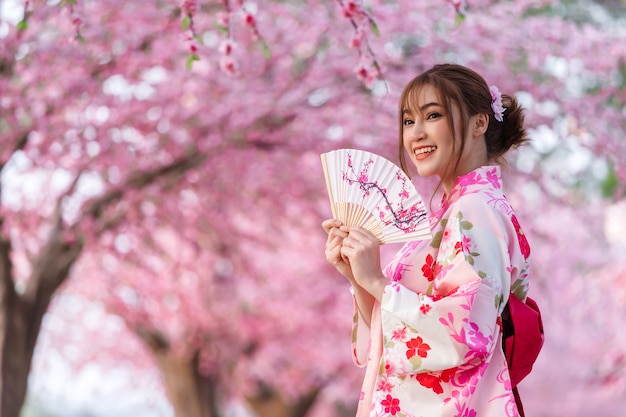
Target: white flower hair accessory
x: 496, y: 103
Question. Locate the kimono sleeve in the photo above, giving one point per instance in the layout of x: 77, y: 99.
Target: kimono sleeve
x: 454, y: 324
x: 361, y: 333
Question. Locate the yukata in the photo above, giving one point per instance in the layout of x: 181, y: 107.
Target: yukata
x: 434, y: 348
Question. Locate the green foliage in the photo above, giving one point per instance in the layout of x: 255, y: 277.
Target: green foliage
x: 375, y: 28
x: 545, y: 10
x: 190, y: 59
x: 610, y: 184
x: 621, y: 69
x: 223, y: 30
x: 459, y: 19
x: 577, y: 11
x: 22, y: 25
x: 184, y: 24
x: 266, y: 51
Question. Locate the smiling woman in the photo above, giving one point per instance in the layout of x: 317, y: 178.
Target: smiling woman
x: 428, y: 326
x: 464, y: 117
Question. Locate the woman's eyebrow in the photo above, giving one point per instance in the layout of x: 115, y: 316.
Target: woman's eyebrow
x: 427, y: 105
x: 422, y: 108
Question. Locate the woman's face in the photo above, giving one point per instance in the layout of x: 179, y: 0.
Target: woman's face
x: 427, y: 136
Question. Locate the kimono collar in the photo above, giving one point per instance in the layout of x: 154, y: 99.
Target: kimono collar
x: 482, y: 179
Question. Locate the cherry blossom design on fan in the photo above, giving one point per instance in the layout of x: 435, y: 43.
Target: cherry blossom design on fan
x: 402, y: 217
x: 370, y: 191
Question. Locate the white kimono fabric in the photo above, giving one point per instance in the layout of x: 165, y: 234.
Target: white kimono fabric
x: 435, y: 344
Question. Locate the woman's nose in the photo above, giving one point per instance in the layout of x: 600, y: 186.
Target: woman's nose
x: 417, y: 132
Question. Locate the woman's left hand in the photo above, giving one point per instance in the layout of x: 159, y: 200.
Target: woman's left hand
x: 363, y: 251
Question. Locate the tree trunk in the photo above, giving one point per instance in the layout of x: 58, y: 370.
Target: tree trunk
x: 21, y: 314
x: 14, y: 354
x: 190, y: 394
x: 268, y: 403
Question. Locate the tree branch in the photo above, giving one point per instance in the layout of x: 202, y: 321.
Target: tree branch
x: 138, y: 180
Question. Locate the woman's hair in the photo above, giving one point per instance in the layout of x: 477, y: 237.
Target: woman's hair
x: 464, y: 87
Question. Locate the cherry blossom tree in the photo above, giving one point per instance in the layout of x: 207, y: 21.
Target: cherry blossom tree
x: 166, y: 155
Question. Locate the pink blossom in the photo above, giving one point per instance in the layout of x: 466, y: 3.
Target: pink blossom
x: 493, y: 178
x: 229, y: 65
x: 357, y: 38
x: 248, y: 19
x: 384, y: 385
x: 399, y: 334
x: 350, y: 9
x: 390, y: 368
x: 223, y: 19
x: 366, y: 74
x: 189, y: 7
x: 227, y: 47
x: 496, y: 103
x: 212, y: 115
x: 77, y: 19
x: 466, y: 244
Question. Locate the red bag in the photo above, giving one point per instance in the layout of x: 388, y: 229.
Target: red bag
x: 522, y: 339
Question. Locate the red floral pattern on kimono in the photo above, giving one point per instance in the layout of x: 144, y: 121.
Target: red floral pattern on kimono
x: 435, y: 343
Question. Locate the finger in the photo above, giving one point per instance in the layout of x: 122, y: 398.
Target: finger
x: 335, y: 232
x: 334, y: 242
x: 361, y: 235
x: 348, y: 242
x: 329, y: 224
x: 336, y: 258
x: 352, y: 243
x: 342, y: 254
x: 346, y: 252
x: 333, y: 255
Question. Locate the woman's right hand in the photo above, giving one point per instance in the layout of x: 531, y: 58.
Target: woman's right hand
x: 333, y: 247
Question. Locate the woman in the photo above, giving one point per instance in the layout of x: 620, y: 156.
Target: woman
x: 428, y: 326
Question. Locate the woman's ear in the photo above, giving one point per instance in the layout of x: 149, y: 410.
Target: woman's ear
x: 480, y: 125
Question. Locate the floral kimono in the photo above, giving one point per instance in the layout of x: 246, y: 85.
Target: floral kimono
x: 435, y: 344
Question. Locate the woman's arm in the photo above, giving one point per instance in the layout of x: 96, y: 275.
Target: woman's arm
x: 455, y: 324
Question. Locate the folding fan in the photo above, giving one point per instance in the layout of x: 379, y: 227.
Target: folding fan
x: 369, y: 191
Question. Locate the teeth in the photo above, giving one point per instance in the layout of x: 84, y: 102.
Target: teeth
x: 425, y: 150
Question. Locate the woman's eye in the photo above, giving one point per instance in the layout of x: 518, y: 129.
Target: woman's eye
x: 433, y: 115
x: 407, y: 122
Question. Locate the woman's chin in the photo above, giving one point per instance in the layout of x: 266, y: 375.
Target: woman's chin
x: 424, y: 172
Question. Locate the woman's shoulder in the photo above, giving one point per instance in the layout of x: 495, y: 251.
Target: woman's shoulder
x: 484, y: 200
x: 486, y: 208
x: 490, y: 211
